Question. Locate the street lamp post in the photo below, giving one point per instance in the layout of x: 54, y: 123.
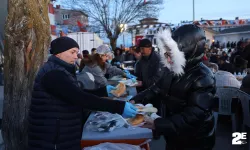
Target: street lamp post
x: 123, y: 29
x: 93, y: 39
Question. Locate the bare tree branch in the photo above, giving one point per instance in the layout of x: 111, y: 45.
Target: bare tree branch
x: 110, y: 14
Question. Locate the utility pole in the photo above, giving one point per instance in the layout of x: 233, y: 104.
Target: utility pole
x: 193, y: 11
x: 93, y: 39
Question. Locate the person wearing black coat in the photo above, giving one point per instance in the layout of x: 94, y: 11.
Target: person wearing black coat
x: 238, y: 51
x: 225, y: 66
x: 57, y: 103
x: 246, y: 54
x: 187, y: 92
x: 149, y: 67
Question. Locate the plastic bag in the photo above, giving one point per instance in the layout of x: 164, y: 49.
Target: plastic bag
x: 129, y: 82
x: 117, y: 78
x: 105, y: 122
x: 113, y: 146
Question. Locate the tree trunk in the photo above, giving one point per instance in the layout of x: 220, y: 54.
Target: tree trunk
x: 113, y: 43
x: 27, y: 37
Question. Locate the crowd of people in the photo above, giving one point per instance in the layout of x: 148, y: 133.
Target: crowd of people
x: 180, y: 81
x: 230, y: 63
x: 229, y: 44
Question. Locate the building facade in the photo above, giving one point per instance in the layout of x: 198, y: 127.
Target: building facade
x: 52, y: 20
x: 209, y: 33
x: 218, y: 25
x: 147, y: 28
x: 70, y: 17
x: 233, y: 34
x: 223, y: 30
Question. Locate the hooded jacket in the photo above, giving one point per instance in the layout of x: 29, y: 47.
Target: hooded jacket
x: 98, y: 73
x: 187, y: 95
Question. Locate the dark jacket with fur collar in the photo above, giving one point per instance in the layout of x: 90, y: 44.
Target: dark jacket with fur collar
x: 188, y: 121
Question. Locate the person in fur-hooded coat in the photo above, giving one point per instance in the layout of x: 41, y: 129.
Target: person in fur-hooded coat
x: 187, y: 92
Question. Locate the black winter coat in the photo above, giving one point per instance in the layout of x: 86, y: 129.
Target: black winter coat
x: 55, y: 115
x: 188, y: 101
x: 148, y: 70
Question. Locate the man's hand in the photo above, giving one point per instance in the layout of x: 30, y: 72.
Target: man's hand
x: 132, y: 101
x: 149, y: 123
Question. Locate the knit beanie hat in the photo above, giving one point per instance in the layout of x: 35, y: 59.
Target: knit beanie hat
x: 62, y: 44
x: 145, y: 43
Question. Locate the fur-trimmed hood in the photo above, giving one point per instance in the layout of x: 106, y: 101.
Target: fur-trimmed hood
x: 167, y: 44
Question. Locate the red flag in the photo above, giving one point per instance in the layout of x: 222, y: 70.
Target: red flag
x: 242, y: 22
x: 53, y: 29
x: 211, y: 23
x: 79, y: 24
x: 145, y: 1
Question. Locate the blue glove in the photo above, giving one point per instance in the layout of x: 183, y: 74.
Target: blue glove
x: 133, y: 80
x: 117, y: 63
x: 133, y: 77
x: 109, y: 88
x: 126, y: 71
x: 129, y: 110
x: 130, y: 76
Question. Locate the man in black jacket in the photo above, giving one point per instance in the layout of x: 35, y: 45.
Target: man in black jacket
x: 148, y: 69
x: 55, y: 115
x: 187, y: 92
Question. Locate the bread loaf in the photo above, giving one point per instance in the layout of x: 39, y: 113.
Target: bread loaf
x: 138, y: 119
x: 120, y: 90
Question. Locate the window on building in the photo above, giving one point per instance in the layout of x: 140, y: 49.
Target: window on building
x: 65, y: 16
